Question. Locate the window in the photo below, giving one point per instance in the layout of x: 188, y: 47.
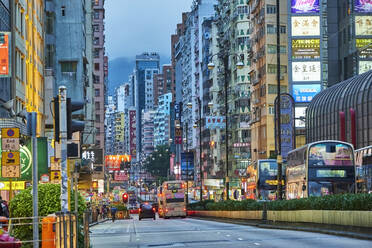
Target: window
x: 49, y: 56
x: 96, y: 14
x: 283, y: 29
x: 271, y: 29
x: 49, y: 29
x: 96, y: 92
x: 69, y: 66
x: 96, y: 53
x: 271, y: 49
x: 271, y: 69
x: 272, y: 89
x: 96, y: 79
x: 63, y: 10
x: 97, y: 104
x: 96, y: 66
x: 98, y: 118
x: 270, y: 9
x: 96, y: 28
x: 96, y: 41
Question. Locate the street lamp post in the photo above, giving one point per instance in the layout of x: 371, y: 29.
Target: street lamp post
x: 200, y: 145
x: 211, y: 66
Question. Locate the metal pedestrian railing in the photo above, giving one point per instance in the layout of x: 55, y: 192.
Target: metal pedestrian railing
x: 59, y: 230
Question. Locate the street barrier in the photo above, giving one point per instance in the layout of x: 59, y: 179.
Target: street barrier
x: 330, y: 217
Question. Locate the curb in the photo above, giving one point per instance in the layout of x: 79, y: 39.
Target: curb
x: 98, y: 222
x: 355, y: 235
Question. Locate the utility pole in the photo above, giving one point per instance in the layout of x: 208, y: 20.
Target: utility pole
x: 32, y: 118
x: 200, y: 149
x: 226, y: 65
x: 279, y: 150
x: 63, y: 142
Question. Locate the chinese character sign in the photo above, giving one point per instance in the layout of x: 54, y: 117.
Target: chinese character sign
x: 305, y: 25
x: 132, y: 133
x: 305, y: 6
x: 4, y: 54
x: 213, y: 122
x: 363, y: 25
x: 93, y: 155
x: 365, y: 66
x: 306, y: 71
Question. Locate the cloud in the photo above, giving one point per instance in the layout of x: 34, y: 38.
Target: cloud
x: 135, y: 26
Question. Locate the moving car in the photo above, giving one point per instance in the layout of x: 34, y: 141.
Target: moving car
x: 146, y: 210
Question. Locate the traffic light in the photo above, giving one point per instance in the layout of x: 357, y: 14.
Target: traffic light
x: 56, y: 118
x: 125, y: 198
x: 73, y: 125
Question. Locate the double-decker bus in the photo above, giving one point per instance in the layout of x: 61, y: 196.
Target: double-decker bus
x: 363, y: 163
x: 171, y: 199
x: 262, y: 182
x: 320, y: 168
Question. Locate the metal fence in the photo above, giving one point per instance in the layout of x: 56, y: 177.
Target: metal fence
x: 59, y: 230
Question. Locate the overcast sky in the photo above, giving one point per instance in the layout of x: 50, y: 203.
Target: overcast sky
x: 135, y: 26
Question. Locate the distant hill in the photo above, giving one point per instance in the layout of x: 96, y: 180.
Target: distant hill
x: 120, y: 69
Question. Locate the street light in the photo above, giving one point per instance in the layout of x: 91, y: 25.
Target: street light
x: 189, y: 105
x: 211, y: 66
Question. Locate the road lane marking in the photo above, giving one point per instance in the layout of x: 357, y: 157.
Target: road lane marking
x: 257, y: 243
x: 228, y: 235
x: 128, y: 227
x: 240, y: 239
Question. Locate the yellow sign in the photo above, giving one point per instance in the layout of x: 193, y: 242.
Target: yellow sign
x: 273, y: 182
x: 10, y: 133
x: 10, y: 158
x: 55, y: 176
x: 17, y: 185
x: 9, y: 171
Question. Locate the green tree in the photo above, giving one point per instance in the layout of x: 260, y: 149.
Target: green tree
x: 49, y: 203
x: 158, y: 163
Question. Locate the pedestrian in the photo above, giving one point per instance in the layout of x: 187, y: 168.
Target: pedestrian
x: 113, y: 213
x: 98, y: 212
x: 4, y: 210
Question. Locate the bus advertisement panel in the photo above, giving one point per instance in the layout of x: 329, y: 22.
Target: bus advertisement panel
x: 363, y: 163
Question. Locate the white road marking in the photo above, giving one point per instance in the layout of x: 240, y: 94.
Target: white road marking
x: 228, y: 235
x: 257, y: 243
x: 240, y: 239
x: 128, y: 228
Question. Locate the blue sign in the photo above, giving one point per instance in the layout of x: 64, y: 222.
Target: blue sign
x: 363, y: 6
x: 305, y: 6
x: 187, y: 165
x: 305, y: 92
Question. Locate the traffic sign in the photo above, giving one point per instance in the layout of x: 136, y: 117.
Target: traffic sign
x: 10, y: 144
x: 55, y: 176
x: 8, y: 171
x: 10, y: 158
x: 10, y: 133
x: 55, y: 164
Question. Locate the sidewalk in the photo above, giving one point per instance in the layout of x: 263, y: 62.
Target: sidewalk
x: 347, y: 231
x: 98, y: 222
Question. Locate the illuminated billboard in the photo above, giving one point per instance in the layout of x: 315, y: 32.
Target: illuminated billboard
x: 365, y: 66
x: 132, y: 133
x: 306, y: 71
x: 364, y: 48
x: 300, y: 115
x: 363, y: 25
x: 305, y: 92
x: 5, y: 54
x: 305, y: 25
x: 363, y: 6
x: 305, y: 6
x: 305, y: 48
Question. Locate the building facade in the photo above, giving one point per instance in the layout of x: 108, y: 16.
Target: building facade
x: 148, y: 136
x: 162, y: 120
x: 99, y: 70
x: 147, y: 64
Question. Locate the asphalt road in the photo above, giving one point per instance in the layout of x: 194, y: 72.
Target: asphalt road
x: 201, y: 233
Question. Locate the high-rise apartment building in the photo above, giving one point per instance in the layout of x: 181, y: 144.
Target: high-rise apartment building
x: 147, y: 64
x: 263, y: 76
x: 162, y: 120
x: 163, y: 83
x: 99, y: 74
x: 148, y: 134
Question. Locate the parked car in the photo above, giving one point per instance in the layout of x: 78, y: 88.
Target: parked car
x: 146, y: 210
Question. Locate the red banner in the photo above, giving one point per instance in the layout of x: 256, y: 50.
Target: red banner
x: 4, y: 53
x: 113, y: 162
x: 121, y: 176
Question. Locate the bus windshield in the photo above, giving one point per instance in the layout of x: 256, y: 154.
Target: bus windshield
x: 330, y: 154
x: 268, y: 169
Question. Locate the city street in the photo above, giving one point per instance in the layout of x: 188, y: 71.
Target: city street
x: 200, y: 233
